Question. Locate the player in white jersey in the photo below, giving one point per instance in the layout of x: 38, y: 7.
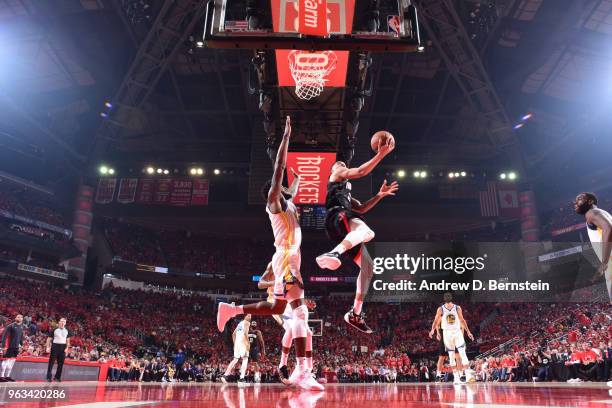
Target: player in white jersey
x: 450, y: 317
x: 599, y: 227
x: 285, y: 321
x: 241, y: 349
x: 288, y: 285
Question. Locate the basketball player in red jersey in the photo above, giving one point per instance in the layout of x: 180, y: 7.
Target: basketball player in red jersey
x: 346, y: 228
x: 288, y: 285
x: 599, y: 228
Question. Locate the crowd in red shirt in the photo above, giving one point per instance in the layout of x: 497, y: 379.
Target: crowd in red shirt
x: 140, y: 331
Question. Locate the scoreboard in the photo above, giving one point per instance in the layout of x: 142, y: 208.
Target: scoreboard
x: 312, y: 216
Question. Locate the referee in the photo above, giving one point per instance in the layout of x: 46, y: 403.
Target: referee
x: 61, y: 343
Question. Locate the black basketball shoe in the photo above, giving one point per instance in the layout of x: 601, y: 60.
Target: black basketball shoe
x: 283, y: 375
x: 357, y: 321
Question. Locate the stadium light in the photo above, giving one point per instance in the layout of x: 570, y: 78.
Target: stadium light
x: 200, y: 172
x: 159, y: 171
x: 217, y: 172
x: 518, y: 126
x: 463, y: 174
x: 166, y: 171
x: 103, y: 170
x: 111, y: 171
x: 423, y: 174
x: 512, y: 175
x: 108, y: 105
x: 451, y: 175
x: 150, y: 170
x: 502, y: 176
x: 457, y: 174
x: 401, y: 173
x: 193, y: 171
x: 527, y: 116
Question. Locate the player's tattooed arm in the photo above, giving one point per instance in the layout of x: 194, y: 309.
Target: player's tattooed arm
x: 274, y: 195
x: 602, y: 220
x: 385, y: 190
x: 267, y: 279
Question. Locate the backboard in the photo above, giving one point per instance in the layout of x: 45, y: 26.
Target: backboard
x: 274, y: 24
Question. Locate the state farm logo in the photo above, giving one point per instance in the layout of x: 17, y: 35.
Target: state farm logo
x: 311, y: 15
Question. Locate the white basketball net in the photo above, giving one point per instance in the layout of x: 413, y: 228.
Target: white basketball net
x: 309, y: 71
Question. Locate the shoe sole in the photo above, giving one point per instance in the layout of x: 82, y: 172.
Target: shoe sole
x: 311, y: 388
x: 328, y: 262
x: 223, y: 380
x: 221, y: 324
x: 348, y: 321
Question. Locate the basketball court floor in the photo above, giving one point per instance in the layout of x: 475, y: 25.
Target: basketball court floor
x: 490, y: 395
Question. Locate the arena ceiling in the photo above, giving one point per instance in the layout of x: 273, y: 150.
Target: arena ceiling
x: 172, y: 101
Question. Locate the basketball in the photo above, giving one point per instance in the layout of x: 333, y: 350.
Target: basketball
x: 380, y: 136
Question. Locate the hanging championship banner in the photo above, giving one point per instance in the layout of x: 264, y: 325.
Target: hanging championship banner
x: 199, y: 195
x: 162, y: 191
x: 106, y: 190
x: 181, y: 192
x: 144, y: 192
x: 127, y: 190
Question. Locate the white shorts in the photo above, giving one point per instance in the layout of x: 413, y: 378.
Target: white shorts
x: 453, y: 339
x: 287, y: 323
x: 284, y: 264
x: 241, y: 350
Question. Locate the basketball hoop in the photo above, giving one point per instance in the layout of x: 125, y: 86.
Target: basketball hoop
x: 309, y: 71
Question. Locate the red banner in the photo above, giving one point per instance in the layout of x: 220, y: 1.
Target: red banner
x: 106, y: 190
x: 312, y: 17
x: 181, y: 192
x: 127, y: 190
x: 314, y: 169
x: 339, y: 15
x: 199, y: 196
x: 162, y: 191
x: 145, y: 190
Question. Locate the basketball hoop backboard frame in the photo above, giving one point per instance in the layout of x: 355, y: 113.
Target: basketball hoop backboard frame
x: 217, y: 35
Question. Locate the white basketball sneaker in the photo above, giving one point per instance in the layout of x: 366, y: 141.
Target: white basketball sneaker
x: 309, y: 383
